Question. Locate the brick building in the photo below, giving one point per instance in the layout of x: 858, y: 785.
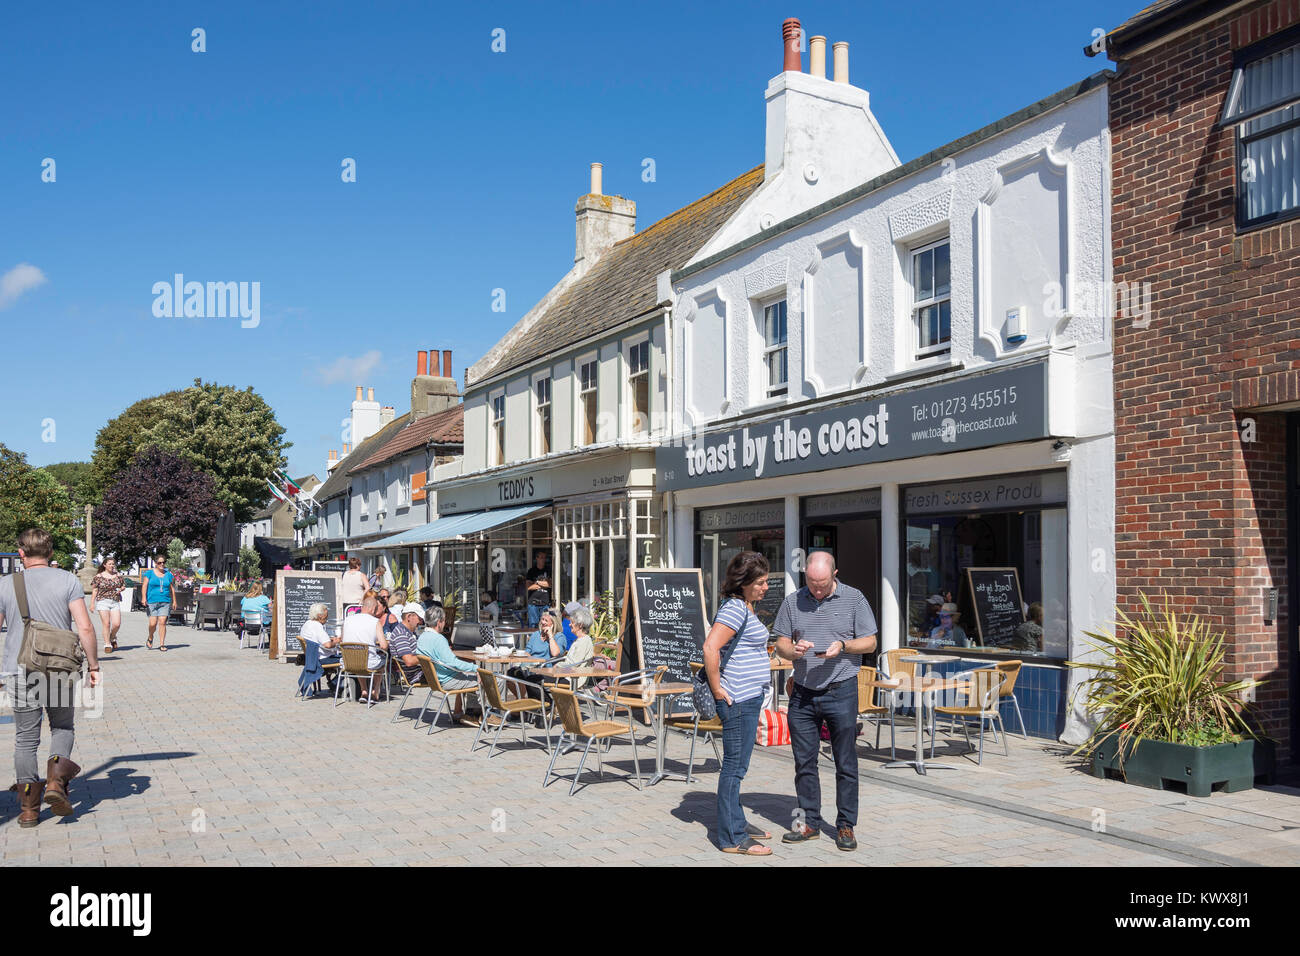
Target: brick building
x: 1206, y: 243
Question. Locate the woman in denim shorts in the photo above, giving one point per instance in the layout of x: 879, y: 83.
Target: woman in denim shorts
x: 106, y: 595
x: 159, y: 593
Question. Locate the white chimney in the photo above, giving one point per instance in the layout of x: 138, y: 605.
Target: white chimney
x: 365, y: 417
x: 602, y: 221
x: 817, y: 56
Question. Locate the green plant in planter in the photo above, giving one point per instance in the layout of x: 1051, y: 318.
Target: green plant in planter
x: 605, y: 624
x: 1159, y: 678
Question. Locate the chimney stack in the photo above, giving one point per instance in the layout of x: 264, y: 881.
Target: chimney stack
x: 841, y: 51
x: 817, y: 57
x: 602, y: 221
x: 358, y: 398
x: 432, y: 392
x: 791, y: 40
x: 370, y: 395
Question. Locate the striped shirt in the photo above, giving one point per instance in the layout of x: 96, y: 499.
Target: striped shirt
x: 842, y: 616
x: 747, y: 673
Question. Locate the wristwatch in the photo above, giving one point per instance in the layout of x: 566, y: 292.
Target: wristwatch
x: 91, y: 669
x: 844, y: 646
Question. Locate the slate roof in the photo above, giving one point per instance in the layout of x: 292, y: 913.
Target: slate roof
x: 1150, y: 17
x: 337, y: 483
x: 621, y: 285
x: 446, y: 427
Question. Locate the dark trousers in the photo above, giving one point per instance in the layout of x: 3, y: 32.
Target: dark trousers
x: 837, y: 705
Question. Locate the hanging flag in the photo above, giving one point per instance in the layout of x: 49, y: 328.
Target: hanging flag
x: 290, y: 488
x: 276, y: 491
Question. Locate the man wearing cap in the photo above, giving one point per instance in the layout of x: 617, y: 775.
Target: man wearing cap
x: 825, y: 627
x: 401, y: 639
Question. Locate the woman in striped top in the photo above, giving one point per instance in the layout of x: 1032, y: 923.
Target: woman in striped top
x: 738, y: 688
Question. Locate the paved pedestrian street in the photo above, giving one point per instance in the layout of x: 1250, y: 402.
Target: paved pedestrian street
x: 202, y: 756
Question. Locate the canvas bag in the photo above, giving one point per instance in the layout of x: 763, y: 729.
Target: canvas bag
x: 705, y: 703
x: 46, y: 649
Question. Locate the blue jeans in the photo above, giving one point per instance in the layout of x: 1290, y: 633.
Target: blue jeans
x: 535, y: 614
x: 836, y: 704
x: 739, y: 730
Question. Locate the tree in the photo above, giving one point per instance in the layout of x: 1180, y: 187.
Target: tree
x: 250, y: 562
x: 119, y: 440
x: 77, y: 478
x: 176, y: 555
x: 32, y: 498
x: 159, y: 496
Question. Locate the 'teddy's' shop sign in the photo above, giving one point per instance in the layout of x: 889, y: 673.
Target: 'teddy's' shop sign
x: 975, y: 412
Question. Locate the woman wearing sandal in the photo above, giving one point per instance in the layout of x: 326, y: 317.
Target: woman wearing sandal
x: 106, y: 597
x: 738, y: 689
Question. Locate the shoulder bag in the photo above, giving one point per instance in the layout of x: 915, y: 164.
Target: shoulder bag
x: 46, y: 649
x: 705, y: 703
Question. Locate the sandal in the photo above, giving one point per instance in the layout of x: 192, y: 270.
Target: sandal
x: 149, y: 643
x: 749, y: 848
x: 162, y: 647
x: 754, y: 831
x: 108, y: 648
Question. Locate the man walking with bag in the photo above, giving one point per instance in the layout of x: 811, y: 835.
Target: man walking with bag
x: 825, y: 627
x: 45, y: 596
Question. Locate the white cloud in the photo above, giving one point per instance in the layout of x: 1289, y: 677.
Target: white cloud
x: 351, y: 369
x: 21, y: 278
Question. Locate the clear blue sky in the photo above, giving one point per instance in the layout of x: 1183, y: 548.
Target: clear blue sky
x: 225, y: 166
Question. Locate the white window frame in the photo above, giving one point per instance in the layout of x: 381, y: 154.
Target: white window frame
x: 915, y: 305
x: 579, y: 431
x: 381, y: 490
x: 629, y: 390
x: 365, y: 496
x: 496, y: 443
x: 769, y: 393
x: 403, y: 488
x: 538, y: 405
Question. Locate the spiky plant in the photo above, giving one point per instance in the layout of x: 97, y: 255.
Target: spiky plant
x: 1159, y: 679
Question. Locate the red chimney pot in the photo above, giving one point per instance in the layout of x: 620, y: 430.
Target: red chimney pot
x: 422, y: 365
x: 791, y: 40
x: 446, y: 363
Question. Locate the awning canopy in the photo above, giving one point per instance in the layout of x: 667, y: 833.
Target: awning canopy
x: 456, y: 527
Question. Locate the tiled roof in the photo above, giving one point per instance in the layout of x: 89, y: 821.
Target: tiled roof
x: 621, y: 285
x: 446, y: 427
x: 1152, y: 14
x: 338, y: 479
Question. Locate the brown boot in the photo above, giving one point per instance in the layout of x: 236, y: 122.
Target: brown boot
x: 29, y: 802
x: 59, y: 773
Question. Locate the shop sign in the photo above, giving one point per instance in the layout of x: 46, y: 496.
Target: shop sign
x: 540, y: 486
x: 766, y: 514
x: 974, y: 412
x: 1005, y: 493
x: 846, y: 503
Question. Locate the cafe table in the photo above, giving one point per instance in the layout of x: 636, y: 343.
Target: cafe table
x: 488, y: 660
x: 921, y: 688
x: 661, y: 693
x: 779, y: 667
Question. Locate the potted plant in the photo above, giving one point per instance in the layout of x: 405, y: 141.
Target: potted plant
x: 604, y: 629
x: 451, y: 607
x: 1163, y: 712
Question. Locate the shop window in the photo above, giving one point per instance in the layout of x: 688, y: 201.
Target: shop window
x: 1263, y: 102
x: 775, y: 352
x: 587, y: 404
x: 931, y: 299
x: 498, y: 429
x: 542, y: 394
x: 638, y: 383
x: 939, y: 549
x: 722, y: 533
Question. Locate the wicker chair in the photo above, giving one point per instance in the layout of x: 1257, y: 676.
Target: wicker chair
x: 985, y: 690
x: 356, y: 663
x: 868, y: 708
x: 212, y: 608
x: 630, y: 700
x: 430, y: 674
x: 566, y: 705
x: 407, y: 684
x: 1008, y: 689
x: 695, y: 727
x: 497, y: 711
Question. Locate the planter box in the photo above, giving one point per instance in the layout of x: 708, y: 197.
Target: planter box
x: 1158, y: 764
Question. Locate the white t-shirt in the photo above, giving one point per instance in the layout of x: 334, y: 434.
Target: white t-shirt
x: 360, y: 629
x: 315, y: 632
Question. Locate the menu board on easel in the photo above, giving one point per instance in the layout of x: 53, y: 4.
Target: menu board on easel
x: 295, y: 593
x: 996, y: 602
x: 663, y: 624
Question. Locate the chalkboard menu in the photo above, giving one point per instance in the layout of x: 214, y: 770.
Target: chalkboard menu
x: 339, y: 566
x: 996, y: 602
x: 295, y: 593
x: 664, y: 624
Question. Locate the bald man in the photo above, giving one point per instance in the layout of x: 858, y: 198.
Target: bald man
x: 825, y: 627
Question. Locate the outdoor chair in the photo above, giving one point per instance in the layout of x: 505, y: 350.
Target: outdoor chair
x: 631, y: 700
x: 184, y: 603
x: 435, y: 687
x: 407, y: 684
x: 984, y: 697
x: 896, y: 668
x: 1012, y: 670
x: 250, y: 627
x: 356, y: 663
x: 314, y: 670
x: 575, y: 727
x: 212, y: 608
x: 869, y: 709
x: 497, y: 711
x: 695, y: 727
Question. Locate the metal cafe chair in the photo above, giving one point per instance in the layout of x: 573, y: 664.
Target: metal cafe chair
x: 252, y: 626
x: 985, y: 695
x: 435, y: 687
x: 356, y: 663
x: 694, y: 726
x: 575, y: 727
x: 497, y: 711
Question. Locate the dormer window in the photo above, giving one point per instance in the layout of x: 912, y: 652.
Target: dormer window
x: 932, y: 299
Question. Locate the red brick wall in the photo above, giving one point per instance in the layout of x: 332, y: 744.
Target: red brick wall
x: 1200, y: 514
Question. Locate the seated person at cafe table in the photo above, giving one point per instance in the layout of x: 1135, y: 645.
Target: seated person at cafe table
x: 948, y: 633
x: 578, y: 653
x: 366, y: 628
x: 489, y: 610
x: 402, y: 646
x: 314, y: 631
x: 453, y: 673
x: 1029, y: 635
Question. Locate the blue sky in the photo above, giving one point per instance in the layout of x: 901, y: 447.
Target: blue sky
x: 225, y: 166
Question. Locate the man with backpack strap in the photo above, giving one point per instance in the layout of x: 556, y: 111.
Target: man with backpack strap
x: 56, y: 598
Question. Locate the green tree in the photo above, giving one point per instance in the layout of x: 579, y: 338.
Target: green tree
x: 77, y: 478
x: 119, y: 440
x: 32, y: 498
x: 250, y: 562
x: 176, y: 555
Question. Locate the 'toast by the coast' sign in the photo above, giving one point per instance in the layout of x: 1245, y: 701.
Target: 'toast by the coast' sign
x: 975, y: 412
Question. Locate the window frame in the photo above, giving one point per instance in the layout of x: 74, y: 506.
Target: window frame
x: 1241, y: 60
x: 774, y: 392
x: 632, y: 345
x: 918, y: 352
x: 497, y: 428
x: 579, y: 404
x: 538, y: 405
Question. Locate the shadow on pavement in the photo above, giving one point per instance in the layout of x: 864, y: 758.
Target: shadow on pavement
x: 111, y: 780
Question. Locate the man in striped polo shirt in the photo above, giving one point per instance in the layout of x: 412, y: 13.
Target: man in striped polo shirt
x: 825, y: 627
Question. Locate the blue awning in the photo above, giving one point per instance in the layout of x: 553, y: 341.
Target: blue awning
x: 455, y: 527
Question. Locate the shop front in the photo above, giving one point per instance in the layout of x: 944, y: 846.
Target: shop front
x: 913, y: 520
